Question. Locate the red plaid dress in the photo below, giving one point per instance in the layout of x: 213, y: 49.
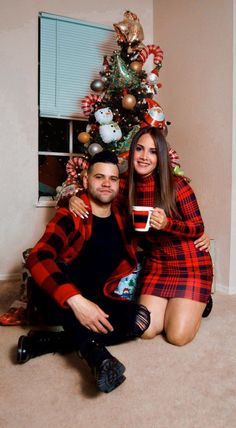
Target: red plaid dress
x: 172, y: 266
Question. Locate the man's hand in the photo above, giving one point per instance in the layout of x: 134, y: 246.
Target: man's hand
x: 89, y: 314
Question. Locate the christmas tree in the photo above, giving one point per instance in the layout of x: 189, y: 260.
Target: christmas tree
x: 124, y: 93
x: 122, y: 101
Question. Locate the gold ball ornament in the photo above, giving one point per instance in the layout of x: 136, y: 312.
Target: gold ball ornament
x: 129, y: 102
x: 84, y: 137
x: 136, y: 66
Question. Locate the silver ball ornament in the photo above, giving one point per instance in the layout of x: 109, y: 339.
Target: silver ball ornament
x: 97, y: 85
x: 94, y: 148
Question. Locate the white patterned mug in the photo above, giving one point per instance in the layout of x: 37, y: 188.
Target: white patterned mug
x: 141, y: 217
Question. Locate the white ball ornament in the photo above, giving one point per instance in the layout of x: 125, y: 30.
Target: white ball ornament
x: 152, y: 79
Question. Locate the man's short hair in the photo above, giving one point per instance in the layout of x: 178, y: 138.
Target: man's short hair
x: 106, y: 156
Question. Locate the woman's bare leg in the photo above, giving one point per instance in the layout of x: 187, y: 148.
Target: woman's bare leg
x: 182, y: 320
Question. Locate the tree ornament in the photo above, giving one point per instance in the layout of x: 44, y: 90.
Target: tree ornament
x: 104, y: 79
x: 136, y: 66
x: 94, y: 148
x: 151, y: 49
x: 155, y: 115
x: 75, y: 165
x: 129, y: 30
x: 123, y: 164
x: 122, y: 76
x: 97, y: 85
x: 84, y: 137
x: 126, y: 141
x: 88, y: 102
x: 153, y: 77
x: 129, y: 102
x: 106, y: 65
x: 109, y: 131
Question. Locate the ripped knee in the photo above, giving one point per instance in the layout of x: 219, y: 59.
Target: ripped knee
x: 142, y: 320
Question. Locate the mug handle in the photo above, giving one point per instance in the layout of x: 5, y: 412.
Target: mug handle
x: 149, y: 217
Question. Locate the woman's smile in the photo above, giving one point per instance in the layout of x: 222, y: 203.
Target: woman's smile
x: 145, y: 156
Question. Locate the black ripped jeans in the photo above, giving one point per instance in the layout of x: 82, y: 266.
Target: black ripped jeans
x: 129, y: 319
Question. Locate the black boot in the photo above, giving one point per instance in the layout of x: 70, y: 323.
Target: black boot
x: 38, y: 343
x: 107, y: 370
x: 208, y: 308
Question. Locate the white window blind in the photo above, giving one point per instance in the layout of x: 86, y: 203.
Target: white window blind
x: 71, y: 56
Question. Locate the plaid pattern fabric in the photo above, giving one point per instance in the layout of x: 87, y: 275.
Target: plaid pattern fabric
x: 173, y: 267
x: 62, y: 242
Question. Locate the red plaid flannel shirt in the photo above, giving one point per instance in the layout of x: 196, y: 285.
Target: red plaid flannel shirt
x: 62, y: 241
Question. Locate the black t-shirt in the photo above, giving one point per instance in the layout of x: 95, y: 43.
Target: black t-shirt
x: 98, y: 258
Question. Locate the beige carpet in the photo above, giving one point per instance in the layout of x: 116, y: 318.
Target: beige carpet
x: 166, y: 386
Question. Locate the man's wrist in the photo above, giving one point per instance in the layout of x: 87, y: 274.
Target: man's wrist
x: 74, y: 299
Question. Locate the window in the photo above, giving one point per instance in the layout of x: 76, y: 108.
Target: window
x: 70, y: 57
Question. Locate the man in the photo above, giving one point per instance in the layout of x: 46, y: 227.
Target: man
x: 76, y: 266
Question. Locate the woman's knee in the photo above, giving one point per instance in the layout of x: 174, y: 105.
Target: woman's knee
x: 182, y: 321
x: 179, y: 337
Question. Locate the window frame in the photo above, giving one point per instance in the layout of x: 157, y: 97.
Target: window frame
x: 49, y: 201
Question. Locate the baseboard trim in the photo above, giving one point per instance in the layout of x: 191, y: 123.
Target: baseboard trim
x: 10, y: 276
x: 222, y: 289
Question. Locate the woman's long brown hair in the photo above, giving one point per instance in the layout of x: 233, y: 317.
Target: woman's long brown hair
x: 164, y: 196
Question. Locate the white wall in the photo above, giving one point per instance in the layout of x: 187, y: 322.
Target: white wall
x: 21, y: 222
x: 197, y: 96
x: 232, y: 274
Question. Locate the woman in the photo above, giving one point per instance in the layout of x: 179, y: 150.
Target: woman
x: 176, y: 276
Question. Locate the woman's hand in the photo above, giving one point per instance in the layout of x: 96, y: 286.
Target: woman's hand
x: 78, y: 207
x: 158, y: 219
x: 203, y: 243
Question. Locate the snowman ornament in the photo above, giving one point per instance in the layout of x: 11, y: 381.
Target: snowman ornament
x: 109, y: 131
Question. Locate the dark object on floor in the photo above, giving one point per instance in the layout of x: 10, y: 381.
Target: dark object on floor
x: 208, y: 308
